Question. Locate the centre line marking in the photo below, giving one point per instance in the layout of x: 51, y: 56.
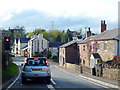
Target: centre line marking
x: 50, y: 87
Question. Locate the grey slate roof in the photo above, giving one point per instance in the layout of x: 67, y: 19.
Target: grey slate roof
x: 69, y: 43
x: 25, y: 47
x: 55, y: 44
x: 24, y: 40
x: 88, y: 39
x: 106, y: 35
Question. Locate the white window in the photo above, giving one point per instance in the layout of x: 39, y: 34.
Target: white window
x: 83, y: 47
x: 105, y: 46
x: 98, y: 46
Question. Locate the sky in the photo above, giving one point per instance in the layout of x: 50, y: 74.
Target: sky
x: 65, y: 14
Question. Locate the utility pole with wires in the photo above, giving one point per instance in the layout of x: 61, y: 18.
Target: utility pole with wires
x: 52, y: 25
x: 86, y: 32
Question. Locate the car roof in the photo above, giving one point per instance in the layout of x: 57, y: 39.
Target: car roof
x: 36, y: 57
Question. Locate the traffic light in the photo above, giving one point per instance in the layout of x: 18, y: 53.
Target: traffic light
x: 6, y: 43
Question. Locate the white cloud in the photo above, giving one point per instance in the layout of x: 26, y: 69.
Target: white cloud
x: 101, y: 9
x: 63, y: 7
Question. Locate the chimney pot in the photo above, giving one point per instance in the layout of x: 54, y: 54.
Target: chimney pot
x: 89, y: 28
x: 103, y: 26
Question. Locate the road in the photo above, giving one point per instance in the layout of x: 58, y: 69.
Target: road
x: 60, y: 79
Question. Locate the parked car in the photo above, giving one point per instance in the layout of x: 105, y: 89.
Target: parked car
x: 34, y: 68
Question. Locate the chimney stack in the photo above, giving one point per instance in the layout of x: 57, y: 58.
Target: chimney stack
x: 103, y: 25
x: 89, y: 28
x: 89, y: 33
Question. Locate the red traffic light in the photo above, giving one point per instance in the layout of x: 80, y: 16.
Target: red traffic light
x: 7, y: 39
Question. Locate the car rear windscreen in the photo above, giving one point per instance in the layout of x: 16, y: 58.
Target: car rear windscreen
x: 36, y: 62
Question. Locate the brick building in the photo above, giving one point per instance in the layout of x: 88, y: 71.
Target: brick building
x: 106, y: 44
x: 68, y: 53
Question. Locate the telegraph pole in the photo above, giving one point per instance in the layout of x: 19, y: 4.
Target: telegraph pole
x: 52, y: 25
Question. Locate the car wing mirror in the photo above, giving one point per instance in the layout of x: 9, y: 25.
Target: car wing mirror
x: 22, y: 64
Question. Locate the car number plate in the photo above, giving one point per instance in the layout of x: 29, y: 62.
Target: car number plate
x: 36, y: 69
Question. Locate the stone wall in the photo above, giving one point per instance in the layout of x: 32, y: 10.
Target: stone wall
x: 111, y: 73
x: 78, y: 68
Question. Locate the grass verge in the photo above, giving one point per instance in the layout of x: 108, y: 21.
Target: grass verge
x: 9, y: 72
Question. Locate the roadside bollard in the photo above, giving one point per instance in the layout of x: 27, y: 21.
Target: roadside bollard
x: 81, y: 69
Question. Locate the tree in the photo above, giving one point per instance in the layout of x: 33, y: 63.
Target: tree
x: 69, y: 35
x: 80, y: 31
x: 58, y: 38
x: 30, y: 34
x: 39, y: 31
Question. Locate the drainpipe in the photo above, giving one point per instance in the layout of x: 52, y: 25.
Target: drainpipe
x: 118, y: 47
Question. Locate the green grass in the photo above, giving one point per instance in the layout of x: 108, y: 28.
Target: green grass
x: 10, y: 71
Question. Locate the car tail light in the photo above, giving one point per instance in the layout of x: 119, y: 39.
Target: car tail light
x: 47, y: 62
x: 35, y: 58
x: 25, y: 62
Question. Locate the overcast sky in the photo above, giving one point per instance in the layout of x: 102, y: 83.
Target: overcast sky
x: 72, y: 14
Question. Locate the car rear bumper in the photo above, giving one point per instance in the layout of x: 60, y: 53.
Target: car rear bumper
x: 35, y: 75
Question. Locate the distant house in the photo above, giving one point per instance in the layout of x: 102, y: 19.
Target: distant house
x: 107, y: 44
x: 54, y: 47
x: 68, y: 53
x: 84, y: 52
x: 20, y: 43
x: 37, y: 44
x: 15, y: 46
x: 24, y: 51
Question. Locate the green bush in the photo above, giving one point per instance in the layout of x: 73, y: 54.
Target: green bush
x: 38, y: 54
x: 34, y: 55
x: 54, y: 57
x: 99, y: 61
x: 10, y: 71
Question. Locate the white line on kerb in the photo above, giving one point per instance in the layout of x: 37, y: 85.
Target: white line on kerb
x: 14, y: 80
x: 53, y: 81
x: 81, y: 76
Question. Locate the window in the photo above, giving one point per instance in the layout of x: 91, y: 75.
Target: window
x: 83, y: 61
x: 38, y: 45
x: 105, y: 46
x: 42, y: 44
x: 98, y: 46
x: 83, y: 47
x: 39, y: 62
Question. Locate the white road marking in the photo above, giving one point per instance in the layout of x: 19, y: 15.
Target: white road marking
x: 14, y: 80
x: 50, y: 87
x: 53, y: 81
x: 80, y: 76
x: 93, y: 82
